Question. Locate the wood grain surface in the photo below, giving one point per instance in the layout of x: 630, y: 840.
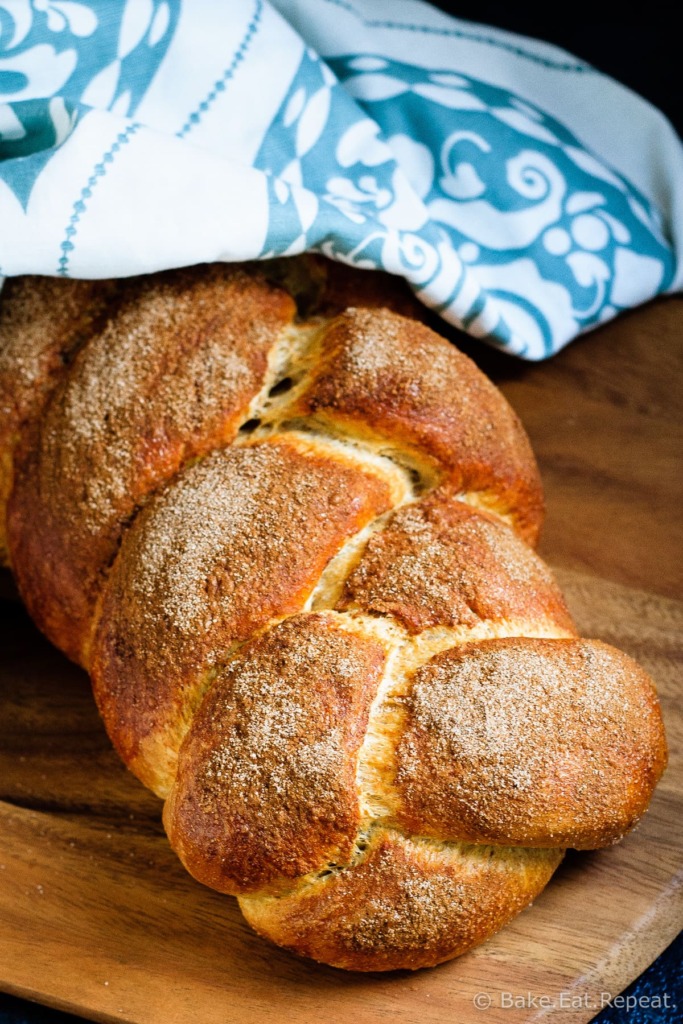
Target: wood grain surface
x: 96, y: 914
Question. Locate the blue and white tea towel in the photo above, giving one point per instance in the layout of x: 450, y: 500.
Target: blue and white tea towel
x: 525, y: 196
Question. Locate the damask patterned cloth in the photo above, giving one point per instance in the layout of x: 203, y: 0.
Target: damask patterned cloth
x: 525, y: 196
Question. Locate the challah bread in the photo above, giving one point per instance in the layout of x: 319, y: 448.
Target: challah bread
x: 291, y: 543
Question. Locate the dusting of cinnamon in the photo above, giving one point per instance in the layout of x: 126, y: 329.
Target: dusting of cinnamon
x: 292, y: 548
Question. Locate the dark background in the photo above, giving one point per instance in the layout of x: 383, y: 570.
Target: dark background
x: 642, y: 49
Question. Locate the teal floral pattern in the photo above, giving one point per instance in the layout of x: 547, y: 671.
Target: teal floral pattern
x: 59, y: 58
x: 465, y: 189
x: 499, y: 216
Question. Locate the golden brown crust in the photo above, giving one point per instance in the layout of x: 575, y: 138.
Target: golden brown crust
x: 234, y: 541
x: 171, y: 377
x: 43, y: 322
x: 391, y: 378
x: 406, y: 903
x: 266, y: 784
x: 195, y: 476
x: 439, y: 562
x: 530, y: 743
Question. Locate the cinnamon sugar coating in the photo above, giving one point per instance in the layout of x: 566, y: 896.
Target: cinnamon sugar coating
x: 236, y: 540
x: 530, y: 743
x: 393, y: 379
x: 289, y: 537
x: 43, y: 323
x: 266, y: 785
x: 439, y: 562
x: 170, y: 377
x: 406, y: 903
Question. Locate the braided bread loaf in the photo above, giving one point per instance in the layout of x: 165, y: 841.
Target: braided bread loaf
x: 293, y: 548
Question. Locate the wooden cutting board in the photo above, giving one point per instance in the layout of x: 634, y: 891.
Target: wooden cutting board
x: 98, y: 917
